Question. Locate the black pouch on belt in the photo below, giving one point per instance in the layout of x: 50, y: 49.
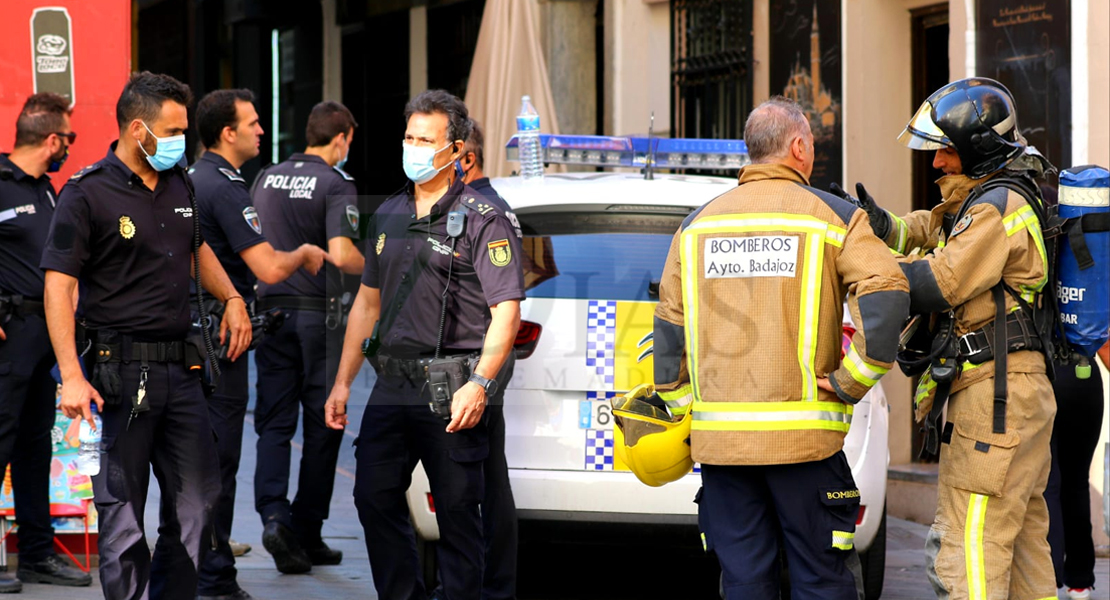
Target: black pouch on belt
x: 105, y: 370
x: 445, y: 376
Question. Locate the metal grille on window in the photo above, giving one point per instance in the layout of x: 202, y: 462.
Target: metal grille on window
x: 711, y: 81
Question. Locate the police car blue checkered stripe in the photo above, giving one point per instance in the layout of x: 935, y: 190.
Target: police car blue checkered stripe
x: 601, y: 338
x: 599, y: 450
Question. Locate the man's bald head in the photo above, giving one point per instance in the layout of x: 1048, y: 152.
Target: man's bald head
x: 772, y: 126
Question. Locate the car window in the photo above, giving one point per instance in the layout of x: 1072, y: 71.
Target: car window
x: 597, y: 256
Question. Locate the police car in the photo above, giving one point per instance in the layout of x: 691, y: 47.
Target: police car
x: 595, y: 245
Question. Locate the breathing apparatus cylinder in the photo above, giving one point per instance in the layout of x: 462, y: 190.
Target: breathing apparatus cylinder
x: 1083, y: 276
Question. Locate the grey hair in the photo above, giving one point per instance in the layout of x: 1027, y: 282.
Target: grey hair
x: 772, y: 126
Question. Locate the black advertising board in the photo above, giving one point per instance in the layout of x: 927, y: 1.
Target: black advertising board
x: 52, y: 52
x: 1027, y: 46
x: 805, y: 66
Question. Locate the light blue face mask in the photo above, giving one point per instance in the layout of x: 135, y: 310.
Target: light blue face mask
x: 418, y: 162
x: 170, y: 150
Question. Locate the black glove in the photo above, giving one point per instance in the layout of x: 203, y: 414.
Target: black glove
x: 880, y: 220
x: 106, y: 380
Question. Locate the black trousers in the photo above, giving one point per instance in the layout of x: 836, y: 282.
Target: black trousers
x: 1074, y: 438
x: 27, y: 412
x: 744, y: 510
x: 226, y: 409
x: 499, y: 523
x: 398, y: 430
x: 175, y: 438
x: 295, y: 367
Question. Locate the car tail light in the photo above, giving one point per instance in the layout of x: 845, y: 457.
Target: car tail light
x: 526, y: 339
x: 431, y: 504
x: 846, y: 339
x: 859, y: 518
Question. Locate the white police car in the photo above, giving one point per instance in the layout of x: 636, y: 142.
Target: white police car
x: 595, y: 245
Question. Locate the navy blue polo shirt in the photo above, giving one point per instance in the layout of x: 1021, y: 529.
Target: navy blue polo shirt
x: 485, y: 189
x: 303, y: 200
x: 26, y: 206
x: 410, y: 265
x: 228, y: 220
x: 130, y: 247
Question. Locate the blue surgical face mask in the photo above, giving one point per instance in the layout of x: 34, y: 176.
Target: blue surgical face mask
x: 170, y: 150
x: 56, y: 163
x: 343, y: 161
x: 418, y: 162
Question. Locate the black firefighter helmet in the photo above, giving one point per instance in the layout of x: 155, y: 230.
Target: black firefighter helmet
x: 975, y: 117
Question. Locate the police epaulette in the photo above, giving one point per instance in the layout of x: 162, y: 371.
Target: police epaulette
x: 232, y: 175
x: 343, y: 174
x: 477, y: 205
x: 85, y: 171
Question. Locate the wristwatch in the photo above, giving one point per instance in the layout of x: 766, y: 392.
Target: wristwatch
x: 490, y: 385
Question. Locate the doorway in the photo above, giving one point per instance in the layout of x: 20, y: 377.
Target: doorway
x: 930, y: 72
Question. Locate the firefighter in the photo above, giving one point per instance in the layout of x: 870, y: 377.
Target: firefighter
x: 981, y: 254
x: 748, y: 338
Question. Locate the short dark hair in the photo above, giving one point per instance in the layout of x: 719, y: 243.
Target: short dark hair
x: 327, y: 120
x: 440, y: 101
x: 475, y: 143
x: 217, y: 110
x: 42, y: 114
x: 772, y: 126
x: 144, y: 94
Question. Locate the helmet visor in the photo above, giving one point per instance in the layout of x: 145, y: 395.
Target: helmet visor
x: 638, y: 409
x: 922, y: 133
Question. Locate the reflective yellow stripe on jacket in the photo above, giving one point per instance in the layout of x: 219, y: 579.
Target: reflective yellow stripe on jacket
x: 817, y: 233
x: 771, y: 416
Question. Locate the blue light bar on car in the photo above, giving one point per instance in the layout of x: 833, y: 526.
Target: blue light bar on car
x: 606, y: 151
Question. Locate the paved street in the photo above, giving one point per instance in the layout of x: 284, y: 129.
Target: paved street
x: 578, y: 565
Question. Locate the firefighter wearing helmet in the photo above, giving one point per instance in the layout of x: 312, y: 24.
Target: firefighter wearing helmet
x: 748, y: 365
x: 978, y: 271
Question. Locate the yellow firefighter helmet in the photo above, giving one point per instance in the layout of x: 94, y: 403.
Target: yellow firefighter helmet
x: 654, y: 445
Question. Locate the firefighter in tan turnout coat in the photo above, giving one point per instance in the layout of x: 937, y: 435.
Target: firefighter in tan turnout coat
x: 989, y: 539
x: 748, y: 338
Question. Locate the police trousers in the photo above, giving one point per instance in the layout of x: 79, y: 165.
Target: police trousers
x: 398, y: 429
x: 175, y: 438
x: 27, y: 410
x: 295, y: 366
x: 227, y: 407
x: 989, y: 539
x: 743, y: 512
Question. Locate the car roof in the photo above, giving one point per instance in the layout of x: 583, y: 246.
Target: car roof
x: 579, y: 190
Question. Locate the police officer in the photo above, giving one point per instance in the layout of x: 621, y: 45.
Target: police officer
x: 499, y: 525
x: 125, y: 227
x: 227, y: 123
x: 307, y: 199
x: 983, y: 257
x: 42, y: 139
x: 445, y: 280
x: 771, y: 403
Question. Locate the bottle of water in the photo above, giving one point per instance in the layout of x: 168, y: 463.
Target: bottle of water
x: 88, y: 453
x: 528, y: 136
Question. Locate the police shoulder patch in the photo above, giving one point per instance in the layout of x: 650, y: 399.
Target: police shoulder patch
x: 345, y: 175
x: 232, y: 175
x: 380, y: 245
x: 961, y: 226
x: 250, y: 215
x: 85, y: 171
x: 500, y: 253
x: 352, y: 217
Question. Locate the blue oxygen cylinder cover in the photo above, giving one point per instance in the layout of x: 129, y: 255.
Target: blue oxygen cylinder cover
x: 1083, y: 294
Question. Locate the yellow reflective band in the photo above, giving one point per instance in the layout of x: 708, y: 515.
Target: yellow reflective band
x: 818, y: 233
x: 926, y: 385
x: 771, y: 416
x: 865, y: 373
x: 679, y: 399
x: 903, y: 232
x: 973, y: 547
x: 1026, y: 218
x: 842, y: 540
x: 704, y: 546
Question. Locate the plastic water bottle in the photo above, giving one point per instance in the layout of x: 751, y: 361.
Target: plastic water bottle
x: 528, y: 137
x: 88, y: 453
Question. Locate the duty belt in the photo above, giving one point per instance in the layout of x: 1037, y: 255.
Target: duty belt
x: 977, y: 347
x: 315, y: 303
x: 412, y: 368
x: 23, y: 307
x: 127, y: 351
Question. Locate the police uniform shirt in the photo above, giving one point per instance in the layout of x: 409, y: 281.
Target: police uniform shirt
x: 228, y: 221
x: 26, y: 205
x: 305, y: 201
x: 131, y: 248
x: 485, y: 189
x: 410, y: 264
